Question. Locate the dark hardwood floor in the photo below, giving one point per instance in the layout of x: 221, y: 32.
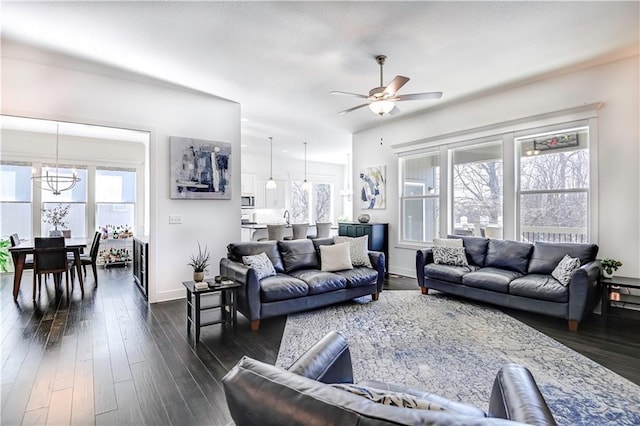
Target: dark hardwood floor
x: 106, y: 358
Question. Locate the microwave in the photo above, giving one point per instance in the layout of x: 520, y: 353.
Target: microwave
x: 248, y: 201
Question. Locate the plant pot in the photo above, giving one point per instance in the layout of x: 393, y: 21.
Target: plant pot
x: 198, y: 276
x: 606, y: 275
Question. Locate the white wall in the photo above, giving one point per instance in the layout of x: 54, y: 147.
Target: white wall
x: 616, y: 85
x: 44, y: 91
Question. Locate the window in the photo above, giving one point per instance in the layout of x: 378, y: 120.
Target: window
x: 477, y: 189
x: 75, y: 197
x: 15, y: 199
x: 554, y: 186
x: 115, y: 199
x: 420, y: 202
x: 313, y: 205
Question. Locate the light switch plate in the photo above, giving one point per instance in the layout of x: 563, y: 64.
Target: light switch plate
x: 175, y: 219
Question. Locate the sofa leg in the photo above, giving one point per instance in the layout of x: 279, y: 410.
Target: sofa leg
x: 424, y: 290
x: 255, y: 325
x: 573, y: 326
x: 375, y: 296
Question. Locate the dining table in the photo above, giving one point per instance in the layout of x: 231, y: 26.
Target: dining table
x: 19, y: 254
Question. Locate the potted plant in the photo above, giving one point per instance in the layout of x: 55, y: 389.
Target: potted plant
x: 199, y: 263
x: 55, y: 216
x: 609, y: 266
x: 5, y: 259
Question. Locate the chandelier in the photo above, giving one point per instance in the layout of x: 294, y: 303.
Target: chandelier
x: 55, y: 182
x: 271, y: 184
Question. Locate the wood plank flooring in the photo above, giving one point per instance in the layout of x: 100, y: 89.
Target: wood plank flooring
x: 106, y: 358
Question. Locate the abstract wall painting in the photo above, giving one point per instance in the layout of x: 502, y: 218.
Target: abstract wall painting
x: 373, y: 193
x: 200, y: 169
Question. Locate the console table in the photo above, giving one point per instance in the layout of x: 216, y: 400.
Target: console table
x: 621, y: 282
x: 378, y: 237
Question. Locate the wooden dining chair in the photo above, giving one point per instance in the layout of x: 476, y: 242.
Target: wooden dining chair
x: 89, y: 259
x: 50, y: 257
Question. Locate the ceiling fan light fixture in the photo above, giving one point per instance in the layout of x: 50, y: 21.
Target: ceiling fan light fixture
x: 381, y: 107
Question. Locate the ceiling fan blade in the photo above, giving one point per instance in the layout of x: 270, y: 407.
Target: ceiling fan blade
x: 395, y: 85
x: 353, y: 109
x: 419, y: 96
x: 348, y: 94
x: 395, y: 110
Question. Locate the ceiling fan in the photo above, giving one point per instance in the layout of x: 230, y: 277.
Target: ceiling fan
x: 382, y: 99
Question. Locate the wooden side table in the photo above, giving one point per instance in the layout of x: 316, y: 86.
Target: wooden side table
x: 624, y: 282
x: 227, y: 304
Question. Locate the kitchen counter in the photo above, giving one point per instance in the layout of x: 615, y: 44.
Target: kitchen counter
x: 256, y: 231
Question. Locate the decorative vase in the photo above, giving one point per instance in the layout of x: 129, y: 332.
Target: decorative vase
x: 364, y: 218
x: 198, y: 276
x: 55, y: 233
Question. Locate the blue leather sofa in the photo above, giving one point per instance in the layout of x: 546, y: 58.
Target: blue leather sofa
x: 518, y: 275
x: 299, y: 284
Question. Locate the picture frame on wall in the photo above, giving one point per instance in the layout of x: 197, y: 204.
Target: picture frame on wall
x: 373, y: 190
x: 200, y: 169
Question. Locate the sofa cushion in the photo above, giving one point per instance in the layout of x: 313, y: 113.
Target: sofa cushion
x: 565, y: 269
x: 454, y: 256
x: 282, y: 287
x: 381, y: 396
x: 359, y: 249
x: 235, y: 251
x: 320, y: 282
x: 261, y: 264
x: 336, y: 257
x: 448, y: 273
x: 359, y: 276
x: 511, y: 255
x: 475, y: 248
x: 298, y: 254
x: 546, y: 256
x: 541, y: 287
x: 489, y: 278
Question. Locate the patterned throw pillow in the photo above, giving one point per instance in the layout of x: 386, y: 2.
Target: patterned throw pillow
x: 396, y: 399
x: 261, y: 264
x: 359, y: 249
x: 565, y: 269
x: 453, y: 256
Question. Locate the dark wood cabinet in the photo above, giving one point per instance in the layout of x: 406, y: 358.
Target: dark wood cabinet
x: 141, y: 264
x: 378, y: 237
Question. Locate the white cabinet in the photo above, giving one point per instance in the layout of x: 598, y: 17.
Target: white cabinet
x: 270, y: 198
x: 247, y: 183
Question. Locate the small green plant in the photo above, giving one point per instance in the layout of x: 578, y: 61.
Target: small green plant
x: 610, y: 265
x: 55, y: 215
x: 4, y: 255
x: 200, y: 261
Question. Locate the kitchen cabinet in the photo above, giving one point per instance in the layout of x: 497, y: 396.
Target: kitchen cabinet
x: 270, y: 198
x: 141, y: 264
x: 378, y: 236
x: 247, y: 183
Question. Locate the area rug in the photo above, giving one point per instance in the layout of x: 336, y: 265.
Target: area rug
x: 454, y: 348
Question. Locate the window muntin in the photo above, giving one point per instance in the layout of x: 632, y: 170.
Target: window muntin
x: 420, y: 203
x: 477, y: 177
x: 16, y: 199
x: 312, y: 205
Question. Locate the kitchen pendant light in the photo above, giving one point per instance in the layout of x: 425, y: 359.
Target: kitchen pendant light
x: 271, y: 184
x: 55, y: 182
x: 305, y: 184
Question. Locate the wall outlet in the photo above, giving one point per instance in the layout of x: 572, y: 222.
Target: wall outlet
x: 175, y: 219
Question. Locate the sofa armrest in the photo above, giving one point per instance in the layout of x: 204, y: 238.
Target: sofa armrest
x: 423, y: 257
x: 515, y: 396
x: 584, y: 290
x: 378, y: 262
x: 328, y: 361
x: 249, y: 293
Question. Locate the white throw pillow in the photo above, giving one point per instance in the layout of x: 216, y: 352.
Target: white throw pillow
x: 453, y: 256
x: 335, y: 257
x: 447, y: 242
x: 565, y: 269
x: 359, y: 249
x: 261, y: 264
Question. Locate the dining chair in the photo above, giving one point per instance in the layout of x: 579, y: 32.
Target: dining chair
x: 50, y: 257
x: 14, y: 241
x: 275, y: 232
x: 89, y: 259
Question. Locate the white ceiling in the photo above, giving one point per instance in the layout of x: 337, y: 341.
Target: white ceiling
x: 280, y: 60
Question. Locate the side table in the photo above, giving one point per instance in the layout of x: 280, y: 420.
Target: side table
x: 227, y: 303
x: 624, y: 282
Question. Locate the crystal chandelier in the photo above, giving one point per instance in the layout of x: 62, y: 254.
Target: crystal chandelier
x: 55, y: 182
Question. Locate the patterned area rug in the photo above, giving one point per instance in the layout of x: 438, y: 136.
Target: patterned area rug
x: 455, y: 348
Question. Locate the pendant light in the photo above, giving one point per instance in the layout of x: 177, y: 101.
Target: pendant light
x: 55, y: 182
x: 305, y: 184
x: 271, y: 184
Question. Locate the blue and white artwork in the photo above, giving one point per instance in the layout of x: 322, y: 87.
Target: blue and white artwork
x: 200, y: 169
x: 373, y: 192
